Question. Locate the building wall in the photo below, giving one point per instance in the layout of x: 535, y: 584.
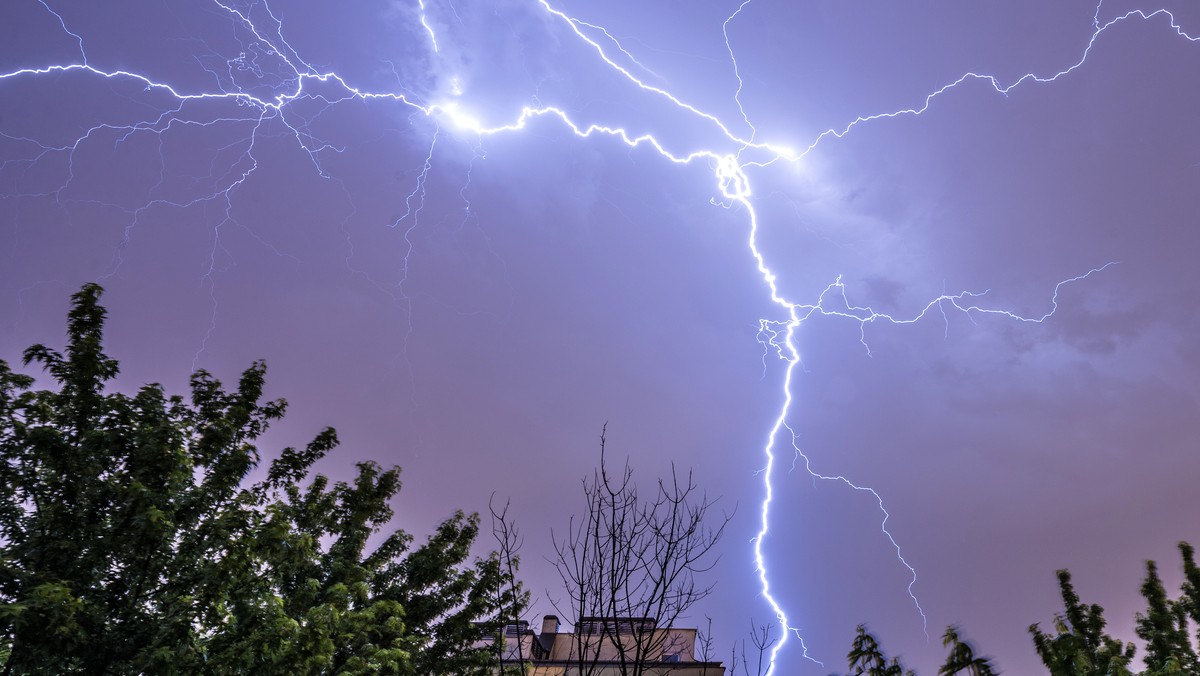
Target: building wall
x: 689, y: 669
x: 659, y: 643
x: 666, y: 652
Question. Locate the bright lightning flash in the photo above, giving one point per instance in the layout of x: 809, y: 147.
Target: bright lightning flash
x: 733, y: 154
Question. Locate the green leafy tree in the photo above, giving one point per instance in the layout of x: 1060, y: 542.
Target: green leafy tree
x: 962, y: 658
x: 1079, y: 646
x: 131, y: 540
x: 1191, y: 584
x: 866, y: 657
x: 1164, y: 628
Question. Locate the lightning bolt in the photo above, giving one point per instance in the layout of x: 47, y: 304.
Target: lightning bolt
x: 428, y: 29
x: 410, y: 214
x: 266, y: 87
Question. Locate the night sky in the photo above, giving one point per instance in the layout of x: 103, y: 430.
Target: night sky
x: 474, y: 303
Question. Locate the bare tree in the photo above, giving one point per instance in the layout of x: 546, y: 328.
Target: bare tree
x: 762, y: 638
x: 512, y: 599
x: 704, y: 640
x: 630, y: 566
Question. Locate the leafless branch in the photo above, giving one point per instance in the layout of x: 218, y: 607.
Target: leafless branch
x: 513, y: 600
x: 630, y: 564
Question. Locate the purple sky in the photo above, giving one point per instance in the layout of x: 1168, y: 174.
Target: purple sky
x: 475, y: 306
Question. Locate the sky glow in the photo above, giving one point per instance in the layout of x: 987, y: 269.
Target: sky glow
x: 762, y: 254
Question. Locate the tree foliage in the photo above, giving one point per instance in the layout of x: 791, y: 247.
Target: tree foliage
x: 132, y: 540
x: 866, y: 657
x: 1079, y: 646
x: 1164, y: 628
x: 962, y: 658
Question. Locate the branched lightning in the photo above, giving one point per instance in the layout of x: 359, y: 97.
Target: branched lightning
x: 263, y: 85
x: 800, y: 455
x: 61, y: 22
x: 617, y: 43
x: 737, y: 72
x: 477, y: 153
x: 1004, y: 89
x: 965, y: 302
x: 411, y: 214
x: 429, y: 29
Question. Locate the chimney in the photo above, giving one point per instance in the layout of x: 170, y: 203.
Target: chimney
x: 549, y: 624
